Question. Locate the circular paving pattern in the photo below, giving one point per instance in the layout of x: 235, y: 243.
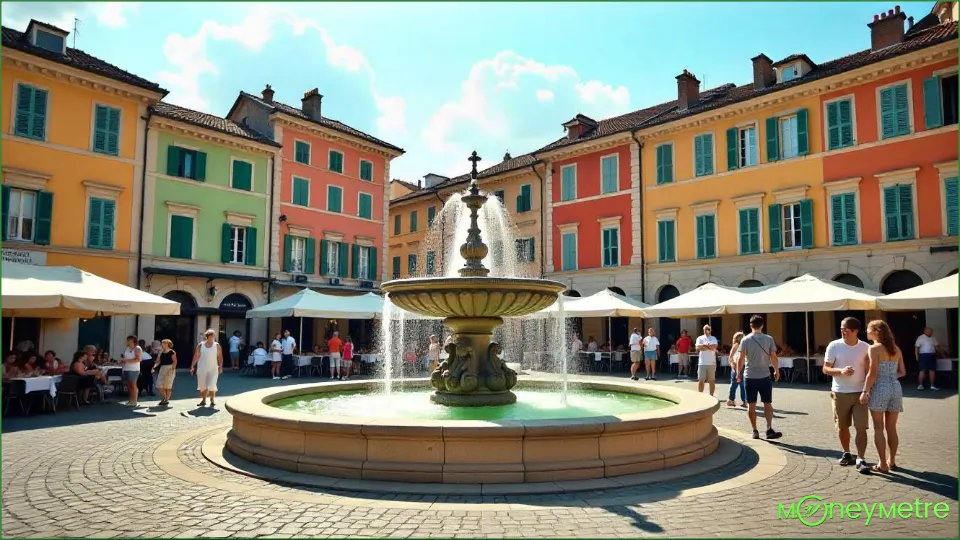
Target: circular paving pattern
x: 112, y: 472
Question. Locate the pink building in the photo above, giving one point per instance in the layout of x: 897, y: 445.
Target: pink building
x: 331, y: 190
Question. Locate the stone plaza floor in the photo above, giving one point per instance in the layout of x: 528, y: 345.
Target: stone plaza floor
x: 109, y: 471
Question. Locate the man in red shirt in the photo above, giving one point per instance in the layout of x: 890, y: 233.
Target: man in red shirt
x: 336, y: 361
x: 684, y: 344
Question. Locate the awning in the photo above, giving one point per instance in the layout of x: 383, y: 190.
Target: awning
x: 707, y: 300
x: 66, y: 292
x: 803, y: 294
x: 309, y: 303
x: 605, y: 303
x: 939, y: 294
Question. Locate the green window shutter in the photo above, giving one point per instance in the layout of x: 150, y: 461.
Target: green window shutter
x: 732, y: 161
x: 396, y: 224
x: 697, y: 156
x: 569, y: 251
x: 837, y: 220
x: 200, y: 169
x: 701, y: 237
x: 745, y: 232
x: 366, y: 206
x: 568, y: 184
x: 38, y: 123
x: 608, y: 173
x: 850, y: 217
x: 413, y: 221
x: 806, y: 223
x: 6, y: 209
x: 113, y: 133
x: 334, y: 199
x: 888, y: 114
x: 301, y: 192
x: 833, y: 125
x: 932, y: 108
x: 803, y: 133
x: 754, y: 218
x: 667, y: 170
x: 181, y: 237
x: 242, y: 175
x: 43, y: 228
x: 527, y: 195
x: 287, y: 253
x: 710, y: 227
x: 531, y: 250
x: 845, y: 112
x: 355, y: 262
x: 372, y: 273
x: 707, y: 153
x: 396, y: 267
x: 310, y: 255
x: 173, y: 161
x: 951, y: 192
x: 775, y: 223
x: 250, y: 247
x: 411, y: 264
x: 891, y: 212
x: 343, y: 263
x: 431, y: 215
x: 324, y: 266
x: 366, y: 171
x: 905, y: 194
x: 302, y: 152
x: 24, y: 117
x: 94, y: 223
x: 336, y: 161
x: 902, y: 101
x: 661, y: 241
x: 225, y: 243
x: 101, y: 121
x: 431, y: 262
x: 107, y: 224
x: 773, y: 139
x: 660, y: 165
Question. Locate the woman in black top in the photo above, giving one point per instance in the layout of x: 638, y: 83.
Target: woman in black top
x: 167, y: 366
x: 87, y: 378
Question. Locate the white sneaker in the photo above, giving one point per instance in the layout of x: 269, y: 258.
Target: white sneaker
x: 933, y: 387
x: 920, y: 387
x: 276, y: 378
x: 285, y: 377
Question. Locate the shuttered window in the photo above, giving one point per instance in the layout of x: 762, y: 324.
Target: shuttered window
x: 568, y: 244
x: 335, y: 162
x: 950, y: 192
x: 706, y: 236
x: 365, y: 206
x: 894, y: 111
x: 366, y: 170
x: 666, y: 241
x: 749, y: 231
x: 611, y: 246
x: 395, y: 267
x: 106, y: 130
x: 31, y: 118
x: 898, y: 212
x: 525, y: 198
x: 843, y: 219
x: 664, y: 164
x: 181, y: 237
x: 301, y: 191
x: 431, y: 215
x: 301, y: 152
x: 100, y: 223
x: 840, y: 124
x: 242, y: 175
x: 608, y: 174
x: 334, y: 199
x: 703, y: 154
x: 568, y: 183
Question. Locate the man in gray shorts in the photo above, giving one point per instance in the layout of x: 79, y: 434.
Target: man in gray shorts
x: 759, y: 353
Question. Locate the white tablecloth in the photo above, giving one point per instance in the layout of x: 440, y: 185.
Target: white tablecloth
x: 788, y: 361
x: 694, y: 358
x: 39, y: 384
x: 370, y: 358
x: 945, y: 364
x: 616, y: 356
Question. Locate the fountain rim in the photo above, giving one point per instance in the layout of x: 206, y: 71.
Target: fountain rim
x: 687, y: 404
x: 473, y: 282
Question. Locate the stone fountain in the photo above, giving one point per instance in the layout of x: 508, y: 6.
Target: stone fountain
x: 473, y: 306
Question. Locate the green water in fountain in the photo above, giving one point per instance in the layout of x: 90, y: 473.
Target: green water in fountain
x: 416, y: 405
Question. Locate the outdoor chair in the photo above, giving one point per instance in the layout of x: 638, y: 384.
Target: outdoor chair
x: 68, y: 389
x: 799, y: 371
x: 16, y: 391
x: 316, y: 366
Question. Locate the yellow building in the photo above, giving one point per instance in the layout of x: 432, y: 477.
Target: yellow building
x: 73, y: 143
x: 415, y: 249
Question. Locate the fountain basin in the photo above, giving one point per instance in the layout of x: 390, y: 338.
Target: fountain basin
x: 472, y: 451
x: 473, y: 297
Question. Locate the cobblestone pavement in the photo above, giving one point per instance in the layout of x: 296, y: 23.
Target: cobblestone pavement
x: 93, y: 474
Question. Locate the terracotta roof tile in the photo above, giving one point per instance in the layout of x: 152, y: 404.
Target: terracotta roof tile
x: 506, y: 166
x: 210, y: 121
x: 409, y: 185
x: 77, y: 59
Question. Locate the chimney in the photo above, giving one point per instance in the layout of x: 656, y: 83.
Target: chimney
x: 311, y: 104
x: 506, y: 156
x: 688, y: 89
x: 763, y: 74
x: 419, y: 185
x: 267, y: 94
x: 887, y: 29
x: 909, y: 23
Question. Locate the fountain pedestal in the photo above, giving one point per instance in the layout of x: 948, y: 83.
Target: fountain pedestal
x: 473, y: 374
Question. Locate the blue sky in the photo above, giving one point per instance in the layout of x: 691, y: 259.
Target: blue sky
x: 442, y: 79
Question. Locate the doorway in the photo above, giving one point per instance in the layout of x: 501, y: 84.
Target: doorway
x: 26, y: 334
x: 669, y: 328
x: 180, y: 329
x: 858, y: 314
x: 906, y: 325
x: 96, y: 332
x: 233, y: 317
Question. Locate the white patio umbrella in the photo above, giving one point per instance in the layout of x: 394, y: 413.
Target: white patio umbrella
x: 939, y: 294
x: 707, y: 300
x: 605, y: 303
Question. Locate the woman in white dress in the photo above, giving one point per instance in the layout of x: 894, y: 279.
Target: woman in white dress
x: 130, y: 360
x: 208, y: 365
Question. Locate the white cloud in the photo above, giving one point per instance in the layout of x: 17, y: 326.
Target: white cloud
x: 62, y: 14
x: 189, y: 58
x: 510, y: 101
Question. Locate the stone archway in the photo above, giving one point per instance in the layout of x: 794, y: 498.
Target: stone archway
x: 745, y: 318
x: 669, y: 328
x: 180, y: 329
x: 861, y: 316
x: 906, y: 325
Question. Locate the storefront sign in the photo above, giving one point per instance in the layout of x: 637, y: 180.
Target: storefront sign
x: 22, y: 256
x: 235, y: 302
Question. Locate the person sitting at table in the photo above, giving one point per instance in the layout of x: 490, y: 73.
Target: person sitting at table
x: 673, y: 349
x: 145, y: 380
x: 259, y: 351
x: 104, y: 358
x: 87, y: 378
x: 53, y: 365
x: 591, y: 345
x: 90, y: 361
x: 29, y: 366
x: 11, y: 370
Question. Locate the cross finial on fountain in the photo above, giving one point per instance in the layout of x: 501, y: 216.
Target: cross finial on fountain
x: 474, y: 158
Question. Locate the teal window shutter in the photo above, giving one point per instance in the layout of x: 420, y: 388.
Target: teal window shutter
x: 365, y: 206
x: 413, y: 221
x: 932, y: 107
x: 355, y: 261
x: 608, y: 172
x: 951, y: 192
x: 200, y: 171
x: 250, y: 247
x: 396, y: 224
x: 173, y: 161
x: 431, y: 215
x: 334, y: 199
x: 366, y: 171
x: 894, y: 111
x: 706, y: 236
x: 610, y: 248
x: 43, y: 227
x: 905, y: 194
x: 31, y: 116
x: 833, y: 125
x: 181, y: 237
x: 568, y: 183
x: 396, y: 267
x: 697, y: 156
x: 531, y: 250
x: 106, y: 130
x: 662, y: 241
x: 775, y: 224
x: 431, y: 261
x: 225, y: 243
x: 301, y: 191
x: 287, y: 253
x: 569, y: 255
x: 525, y: 202
x: 902, y: 101
x: 324, y: 266
x: 302, y: 152
x: 107, y: 224
x: 94, y: 223
x: 845, y: 114
x: 703, y: 154
x: 372, y: 273
x: 342, y: 261
x: 664, y: 163
x: 309, y: 255
x: 733, y: 160
x: 843, y: 208
x: 806, y: 223
x: 242, y: 175
x: 499, y: 194
x: 411, y: 264
x: 6, y: 208
x: 336, y: 161
x: 803, y: 133
x: 773, y: 139
x: 749, y: 231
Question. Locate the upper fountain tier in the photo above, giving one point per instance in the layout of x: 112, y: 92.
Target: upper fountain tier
x: 473, y: 294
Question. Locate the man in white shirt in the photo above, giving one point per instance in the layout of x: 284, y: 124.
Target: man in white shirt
x: 288, y: 346
x: 651, y: 351
x: 846, y: 362
x: 636, y: 353
x: 235, y: 341
x: 707, y: 364
x: 592, y: 345
x: 926, y: 350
